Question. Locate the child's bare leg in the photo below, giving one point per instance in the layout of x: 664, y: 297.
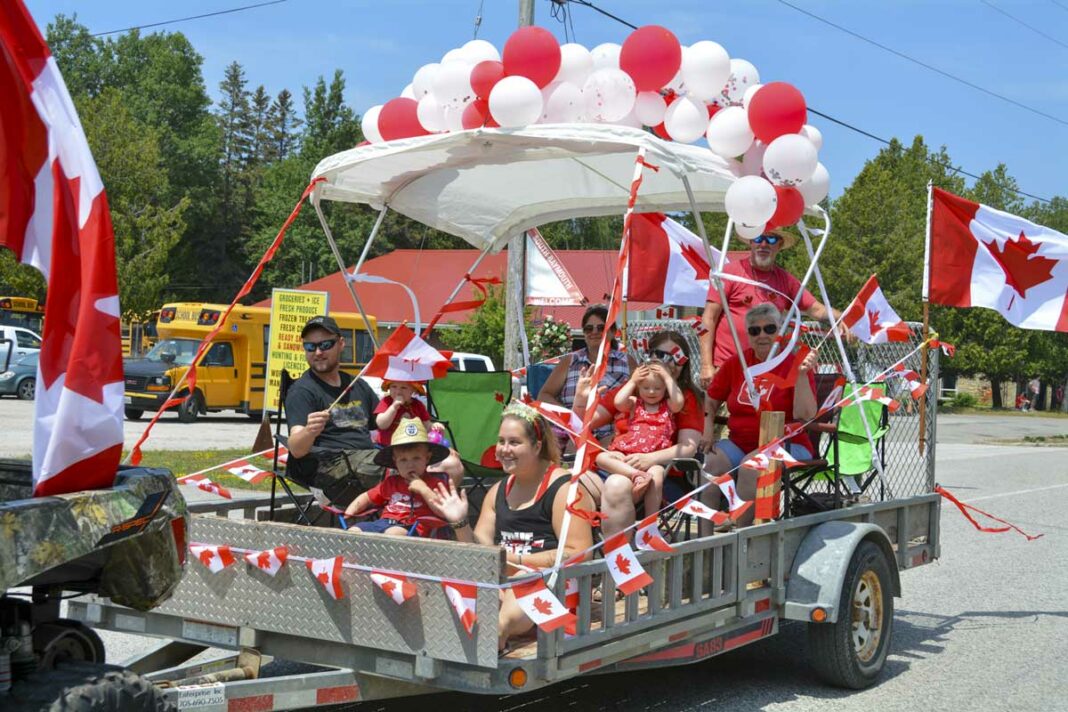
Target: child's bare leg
x: 655, y: 492
x: 612, y: 462
x: 511, y: 620
x: 396, y: 531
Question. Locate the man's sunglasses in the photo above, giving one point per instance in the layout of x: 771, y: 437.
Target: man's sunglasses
x: 767, y: 329
x: 766, y: 239
x: 324, y: 345
x: 591, y: 328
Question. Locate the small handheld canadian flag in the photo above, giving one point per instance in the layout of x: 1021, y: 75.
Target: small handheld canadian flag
x: 648, y: 536
x: 541, y: 606
x: 207, y: 485
x: 871, y: 318
x: 216, y: 558
x: 397, y: 586
x: 269, y: 560
x: 328, y: 573
x: 623, y: 565
x: 462, y: 596
x: 688, y: 506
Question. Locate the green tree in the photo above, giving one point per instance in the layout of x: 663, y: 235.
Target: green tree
x: 282, y: 126
x: 483, y: 332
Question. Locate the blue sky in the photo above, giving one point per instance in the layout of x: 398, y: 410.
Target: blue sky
x: 379, y: 45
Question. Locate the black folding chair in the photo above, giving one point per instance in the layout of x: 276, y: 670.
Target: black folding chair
x: 280, y: 471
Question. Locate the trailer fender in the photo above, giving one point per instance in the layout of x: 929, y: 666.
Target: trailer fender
x: 820, y: 567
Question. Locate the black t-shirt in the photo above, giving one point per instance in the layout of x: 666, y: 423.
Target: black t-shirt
x: 351, y: 420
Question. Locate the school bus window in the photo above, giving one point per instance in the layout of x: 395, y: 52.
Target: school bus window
x: 365, y: 348
x: 346, y: 353
x: 220, y: 354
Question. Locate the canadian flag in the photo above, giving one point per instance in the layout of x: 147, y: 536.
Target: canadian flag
x: 328, y: 573
x: 203, y: 483
x: 648, y: 536
x: 871, y: 318
x: 404, y: 356
x: 762, y: 460
x: 623, y: 565
x: 871, y: 393
x: 541, y: 606
x: 668, y: 263
x: 571, y: 593
x: 283, y: 456
x: 917, y: 388
x: 396, y: 586
x: 982, y: 257
x: 548, y: 281
x: 558, y: 414
x: 216, y: 558
x: 462, y: 597
x: 687, y: 505
x: 54, y: 216
x: 269, y: 560
x: 735, y: 504
x: 247, y: 471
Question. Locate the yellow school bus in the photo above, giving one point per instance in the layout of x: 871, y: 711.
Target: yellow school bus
x: 232, y: 373
x: 138, y: 336
x: 22, y: 311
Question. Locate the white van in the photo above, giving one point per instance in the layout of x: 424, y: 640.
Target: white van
x: 471, y: 362
x: 16, y: 342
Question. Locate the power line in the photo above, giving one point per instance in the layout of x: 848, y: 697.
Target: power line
x: 843, y: 124
x: 191, y: 17
x: 1017, y: 20
x: 923, y: 64
x: 1061, y: 6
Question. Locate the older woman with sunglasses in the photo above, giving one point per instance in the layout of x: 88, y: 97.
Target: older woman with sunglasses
x: 562, y: 384
x: 729, y: 386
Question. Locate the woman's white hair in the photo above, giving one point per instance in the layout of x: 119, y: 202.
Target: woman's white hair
x: 766, y: 310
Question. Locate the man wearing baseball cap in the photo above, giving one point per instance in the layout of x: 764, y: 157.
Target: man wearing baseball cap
x: 330, y: 423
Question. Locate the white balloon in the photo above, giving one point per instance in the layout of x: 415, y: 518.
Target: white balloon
x: 606, y: 56
x: 728, y: 132
x: 563, y: 103
x: 453, y: 55
x: 423, y: 81
x: 790, y: 160
x: 477, y: 51
x: 686, y: 119
x: 576, y: 64
x: 743, y: 75
x: 706, y: 67
x: 650, y: 107
x: 748, y: 232
x: 454, y: 117
x: 515, y: 101
x: 609, y: 94
x: 677, y: 83
x: 748, y: 96
x: 750, y: 201
x: 630, y: 120
x: 452, y: 84
x: 369, y: 124
x: 431, y: 114
x: 817, y: 186
x: 408, y: 92
x: 753, y: 160
x: 813, y: 134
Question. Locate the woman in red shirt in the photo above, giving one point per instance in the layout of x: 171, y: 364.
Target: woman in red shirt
x: 729, y: 386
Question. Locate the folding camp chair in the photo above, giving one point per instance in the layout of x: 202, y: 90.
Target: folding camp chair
x: 280, y: 470
x: 537, y: 375
x: 469, y: 404
x: 845, y: 468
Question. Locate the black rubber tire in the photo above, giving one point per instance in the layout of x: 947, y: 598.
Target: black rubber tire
x: 67, y: 641
x: 831, y: 649
x: 84, y: 687
x: 191, y: 408
x: 134, y: 413
x: 27, y: 389
x: 256, y: 415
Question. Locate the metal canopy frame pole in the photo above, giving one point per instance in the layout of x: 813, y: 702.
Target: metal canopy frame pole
x: 341, y: 266
x: 371, y: 238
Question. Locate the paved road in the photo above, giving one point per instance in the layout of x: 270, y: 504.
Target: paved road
x: 985, y: 628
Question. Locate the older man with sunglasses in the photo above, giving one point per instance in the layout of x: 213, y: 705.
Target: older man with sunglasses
x: 758, y: 267
x: 329, y: 433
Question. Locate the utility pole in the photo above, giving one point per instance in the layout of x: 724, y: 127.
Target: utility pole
x: 515, y: 289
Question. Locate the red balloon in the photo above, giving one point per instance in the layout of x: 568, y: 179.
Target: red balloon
x: 485, y: 76
x: 475, y: 114
x: 651, y: 55
x: 400, y: 119
x: 534, y: 53
x: 661, y: 131
x: 790, y: 207
x: 712, y: 109
x: 775, y: 110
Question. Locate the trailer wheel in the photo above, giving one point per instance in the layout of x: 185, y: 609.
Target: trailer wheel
x: 84, y: 687
x: 852, y: 651
x: 190, y: 408
x: 67, y: 641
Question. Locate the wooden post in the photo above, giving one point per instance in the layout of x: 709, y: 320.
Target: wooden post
x: 767, y: 504
x: 924, y: 355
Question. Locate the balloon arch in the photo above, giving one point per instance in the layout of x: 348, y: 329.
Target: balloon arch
x: 681, y: 93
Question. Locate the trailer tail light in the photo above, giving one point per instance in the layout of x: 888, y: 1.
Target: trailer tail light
x: 517, y: 678
x: 167, y: 315
x: 208, y: 317
x: 178, y: 529
x: 818, y: 615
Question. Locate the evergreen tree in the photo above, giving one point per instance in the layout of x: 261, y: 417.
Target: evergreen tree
x: 283, y: 125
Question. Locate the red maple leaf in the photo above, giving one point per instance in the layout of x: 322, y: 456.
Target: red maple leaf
x: 542, y: 606
x: 647, y: 536
x: 1023, y: 267
x: 264, y: 560
x: 323, y: 578
x: 697, y: 261
x: 206, y: 556
x: 623, y: 564
x: 873, y: 322
x: 388, y: 587
x: 499, y: 397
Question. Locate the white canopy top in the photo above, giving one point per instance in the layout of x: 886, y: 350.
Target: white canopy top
x: 486, y: 185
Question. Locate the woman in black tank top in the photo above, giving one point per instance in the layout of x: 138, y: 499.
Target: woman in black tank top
x: 524, y: 513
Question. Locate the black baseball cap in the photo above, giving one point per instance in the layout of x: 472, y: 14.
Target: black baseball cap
x: 321, y: 322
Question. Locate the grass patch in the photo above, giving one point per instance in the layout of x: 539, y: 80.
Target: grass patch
x: 185, y: 462
x: 1046, y: 439
x: 1000, y: 412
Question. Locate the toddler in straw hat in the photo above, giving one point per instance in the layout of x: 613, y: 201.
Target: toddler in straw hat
x: 403, y: 493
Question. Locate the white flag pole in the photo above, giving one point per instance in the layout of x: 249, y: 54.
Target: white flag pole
x: 927, y: 248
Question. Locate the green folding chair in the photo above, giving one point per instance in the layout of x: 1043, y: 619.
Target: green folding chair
x: 469, y: 404
x: 845, y: 468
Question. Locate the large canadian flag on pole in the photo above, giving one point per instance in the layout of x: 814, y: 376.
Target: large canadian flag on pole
x: 54, y: 216
x: 981, y: 257
x: 668, y: 263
